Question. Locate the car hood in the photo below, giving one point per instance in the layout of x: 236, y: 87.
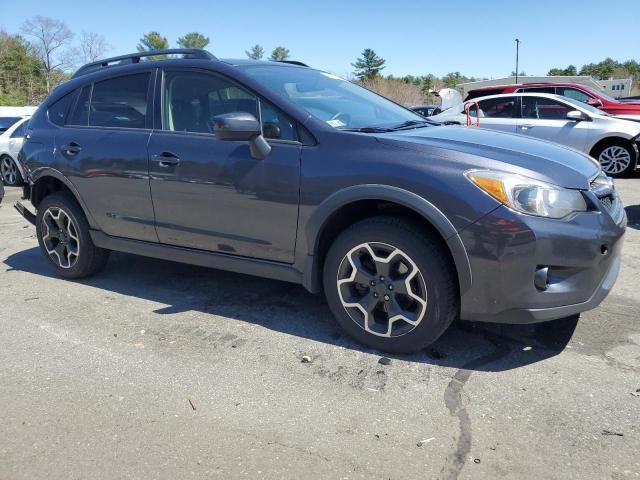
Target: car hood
x: 622, y: 108
x: 486, y: 149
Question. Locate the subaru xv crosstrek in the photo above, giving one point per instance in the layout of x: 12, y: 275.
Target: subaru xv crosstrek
x: 282, y: 171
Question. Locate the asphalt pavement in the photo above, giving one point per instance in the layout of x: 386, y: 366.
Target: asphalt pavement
x: 157, y: 370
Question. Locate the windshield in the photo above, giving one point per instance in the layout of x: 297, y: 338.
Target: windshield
x: 584, y: 106
x: 339, y: 103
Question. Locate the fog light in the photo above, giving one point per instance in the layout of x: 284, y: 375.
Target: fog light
x: 541, y: 278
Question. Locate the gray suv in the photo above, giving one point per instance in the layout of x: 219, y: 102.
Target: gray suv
x: 286, y: 172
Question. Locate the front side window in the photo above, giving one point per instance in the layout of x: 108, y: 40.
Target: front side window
x: 192, y: 99
x: 544, y: 109
x: 574, y: 93
x: 339, y: 103
x: 120, y: 102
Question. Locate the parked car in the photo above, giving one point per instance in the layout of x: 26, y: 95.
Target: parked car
x: 611, y: 140
x: 590, y: 96
x: 426, y: 110
x: 6, y: 122
x: 287, y: 172
x: 10, y: 144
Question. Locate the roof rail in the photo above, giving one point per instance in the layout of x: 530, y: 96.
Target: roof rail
x: 293, y: 62
x: 189, y: 53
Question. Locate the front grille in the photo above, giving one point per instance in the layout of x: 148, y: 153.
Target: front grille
x: 606, y: 202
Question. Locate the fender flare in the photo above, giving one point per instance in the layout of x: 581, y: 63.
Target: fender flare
x: 45, y: 172
x: 418, y: 204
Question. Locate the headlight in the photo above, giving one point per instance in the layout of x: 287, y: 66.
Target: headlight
x: 526, y: 195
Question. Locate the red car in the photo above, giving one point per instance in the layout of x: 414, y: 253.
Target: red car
x: 572, y: 90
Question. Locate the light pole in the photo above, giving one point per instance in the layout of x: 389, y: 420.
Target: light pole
x: 517, y: 52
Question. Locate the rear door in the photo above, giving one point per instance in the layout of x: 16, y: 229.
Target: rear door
x: 17, y: 138
x: 103, y: 148
x: 545, y: 118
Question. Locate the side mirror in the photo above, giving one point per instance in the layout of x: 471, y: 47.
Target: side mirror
x: 242, y: 126
x: 594, y: 102
x: 576, y: 116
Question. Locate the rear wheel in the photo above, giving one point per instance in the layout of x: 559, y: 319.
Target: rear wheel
x: 9, y: 171
x: 390, y: 285
x: 63, y: 235
x: 616, y: 158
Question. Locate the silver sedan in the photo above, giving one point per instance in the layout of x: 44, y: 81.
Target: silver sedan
x: 611, y: 140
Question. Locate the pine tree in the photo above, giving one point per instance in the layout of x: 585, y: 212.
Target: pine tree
x: 279, y: 54
x: 152, y: 41
x: 368, y: 65
x: 256, y: 52
x: 193, y: 40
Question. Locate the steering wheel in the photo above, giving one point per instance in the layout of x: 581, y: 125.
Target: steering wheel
x: 345, y: 118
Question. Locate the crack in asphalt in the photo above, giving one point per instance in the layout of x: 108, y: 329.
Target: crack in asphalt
x: 455, y: 461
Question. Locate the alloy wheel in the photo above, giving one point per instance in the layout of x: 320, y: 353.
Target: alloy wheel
x: 9, y: 171
x: 60, y: 237
x: 382, y: 289
x: 614, y: 159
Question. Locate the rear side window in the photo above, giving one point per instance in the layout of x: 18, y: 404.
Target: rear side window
x: 537, y: 90
x: 80, y: 114
x: 120, y: 102
x: 483, y: 93
x: 58, y: 111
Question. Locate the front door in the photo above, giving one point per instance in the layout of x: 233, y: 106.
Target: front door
x: 546, y: 119
x: 211, y: 194
x: 103, y: 146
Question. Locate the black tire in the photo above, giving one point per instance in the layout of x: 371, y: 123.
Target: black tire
x: 89, y: 259
x: 609, y: 167
x: 435, y: 269
x: 12, y: 178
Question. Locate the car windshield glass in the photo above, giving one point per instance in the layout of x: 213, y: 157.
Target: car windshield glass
x: 583, y: 105
x: 337, y: 102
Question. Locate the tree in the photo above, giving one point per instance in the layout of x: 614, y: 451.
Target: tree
x: 152, y: 41
x: 428, y: 83
x: 521, y: 74
x: 570, y: 70
x: 279, y: 54
x: 52, y: 38
x: 193, y: 40
x: 21, y: 75
x: 369, y: 65
x: 92, y: 46
x: 256, y: 52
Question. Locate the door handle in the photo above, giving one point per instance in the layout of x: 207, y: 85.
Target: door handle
x: 166, y: 159
x: 527, y: 126
x: 72, y: 148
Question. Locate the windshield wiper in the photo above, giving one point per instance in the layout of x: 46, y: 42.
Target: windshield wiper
x: 413, y: 124
x: 367, y: 129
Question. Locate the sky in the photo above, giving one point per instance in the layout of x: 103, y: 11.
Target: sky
x: 476, y: 38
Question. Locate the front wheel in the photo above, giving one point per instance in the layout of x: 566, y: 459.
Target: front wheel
x: 391, y: 285
x: 11, y: 176
x: 63, y: 235
x: 616, y: 158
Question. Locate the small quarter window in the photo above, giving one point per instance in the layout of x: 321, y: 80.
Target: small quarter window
x: 80, y: 114
x: 58, y: 111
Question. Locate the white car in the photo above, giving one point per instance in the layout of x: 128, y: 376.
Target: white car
x: 10, y: 144
x: 611, y: 140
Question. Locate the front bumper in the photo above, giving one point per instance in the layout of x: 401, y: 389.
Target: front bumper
x: 582, y: 256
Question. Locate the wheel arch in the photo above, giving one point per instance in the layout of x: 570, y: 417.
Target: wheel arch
x: 48, y: 180
x: 611, y: 139
x: 351, y: 204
